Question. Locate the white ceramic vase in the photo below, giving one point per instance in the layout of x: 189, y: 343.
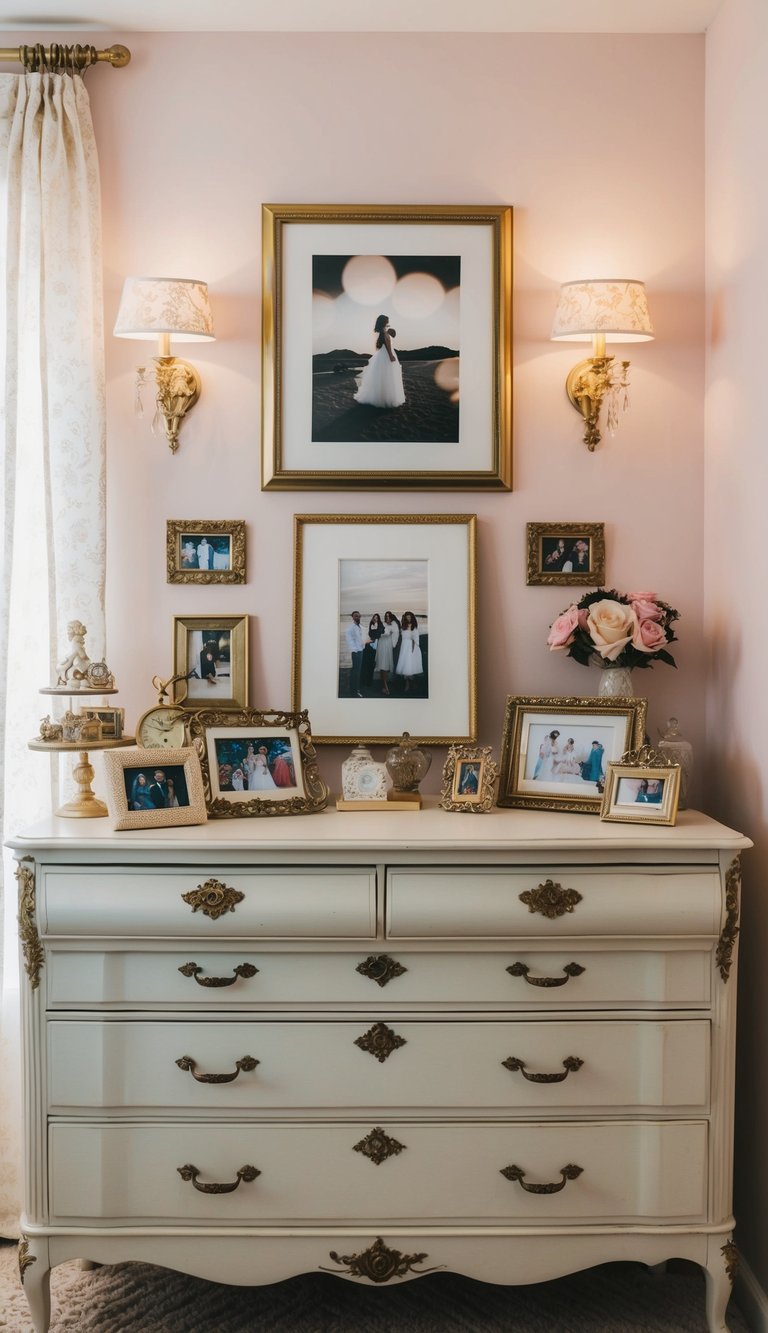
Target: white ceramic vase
x: 614, y: 681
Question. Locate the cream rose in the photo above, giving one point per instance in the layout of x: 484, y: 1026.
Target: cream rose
x: 611, y: 626
x: 562, y: 630
x: 649, y: 637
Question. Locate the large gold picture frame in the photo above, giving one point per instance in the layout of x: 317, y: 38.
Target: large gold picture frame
x: 315, y: 436
x: 371, y: 566
x: 555, y: 751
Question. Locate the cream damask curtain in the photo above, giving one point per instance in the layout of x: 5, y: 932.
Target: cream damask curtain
x: 52, y: 503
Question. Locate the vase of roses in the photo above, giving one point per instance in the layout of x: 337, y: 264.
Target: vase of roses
x: 617, y: 631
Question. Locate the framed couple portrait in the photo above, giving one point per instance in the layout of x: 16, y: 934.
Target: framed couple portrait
x: 211, y: 652
x: 386, y: 347
x: 569, y: 554
x: 205, y: 550
x: 385, y: 626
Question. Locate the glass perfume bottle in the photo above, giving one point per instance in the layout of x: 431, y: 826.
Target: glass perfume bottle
x: 681, y: 751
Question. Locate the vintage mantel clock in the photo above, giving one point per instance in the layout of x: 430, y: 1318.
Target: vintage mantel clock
x: 165, y: 725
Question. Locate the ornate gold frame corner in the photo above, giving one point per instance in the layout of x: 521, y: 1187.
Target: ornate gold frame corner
x: 481, y: 802
x: 315, y: 790
x: 234, y: 528
x: 537, y: 576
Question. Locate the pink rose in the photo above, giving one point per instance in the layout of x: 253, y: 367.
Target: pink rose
x: 611, y: 626
x: 643, y: 596
x: 649, y: 637
x: 646, y: 609
x: 562, y: 630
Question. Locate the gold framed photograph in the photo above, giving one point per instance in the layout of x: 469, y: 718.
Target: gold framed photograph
x: 469, y: 776
x: 555, y: 751
x: 112, y: 721
x: 571, y: 554
x: 145, y: 790
x: 351, y: 402
x: 642, y: 788
x: 205, y: 550
x: 257, y: 763
x: 211, y: 653
x: 385, y: 626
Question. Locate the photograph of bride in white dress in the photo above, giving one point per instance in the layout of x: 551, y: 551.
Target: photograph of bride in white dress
x: 385, y: 342
x: 383, y: 629
x: 568, y: 752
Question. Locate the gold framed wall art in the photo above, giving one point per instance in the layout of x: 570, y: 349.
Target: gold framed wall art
x: 205, y: 550
x: 386, y: 347
x: 211, y: 653
x: 570, y: 554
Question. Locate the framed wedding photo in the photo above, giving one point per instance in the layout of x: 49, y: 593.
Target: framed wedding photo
x: 149, y: 789
x: 571, y: 554
x: 384, y: 626
x: 386, y: 347
x: 257, y: 763
x: 555, y: 752
x: 641, y: 794
x: 211, y: 652
x: 205, y: 550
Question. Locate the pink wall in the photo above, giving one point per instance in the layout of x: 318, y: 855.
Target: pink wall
x: 597, y: 141
x: 736, y: 488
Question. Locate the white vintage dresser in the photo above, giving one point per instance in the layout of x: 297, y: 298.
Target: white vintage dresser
x: 379, y: 1045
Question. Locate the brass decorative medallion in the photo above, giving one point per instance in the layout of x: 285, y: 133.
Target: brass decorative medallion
x: 380, y: 968
x: 379, y: 1263
x: 570, y: 1065
x: 30, y: 940
x: 244, y: 970
x: 213, y: 898
x: 378, y: 1146
x: 551, y: 899
x: 246, y: 1173
x: 516, y: 1173
x: 25, y: 1258
x: 729, y: 933
x: 523, y: 970
x: 380, y: 1041
x: 731, y: 1256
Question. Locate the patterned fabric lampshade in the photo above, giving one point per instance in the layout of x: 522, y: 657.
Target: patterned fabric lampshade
x: 615, y: 307
x: 150, y: 307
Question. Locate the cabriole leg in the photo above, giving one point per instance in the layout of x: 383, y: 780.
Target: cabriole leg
x: 720, y: 1274
x: 35, y: 1273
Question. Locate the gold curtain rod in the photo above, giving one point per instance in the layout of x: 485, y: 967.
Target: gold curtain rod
x: 55, y: 56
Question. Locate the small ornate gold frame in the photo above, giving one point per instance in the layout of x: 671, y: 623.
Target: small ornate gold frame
x: 237, y: 626
x: 537, y: 572
x: 640, y: 802
x: 115, y: 764
x: 312, y: 793
x: 627, y: 716
x: 177, y: 528
x: 453, y: 797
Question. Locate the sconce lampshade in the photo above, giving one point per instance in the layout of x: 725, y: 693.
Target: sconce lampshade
x: 150, y: 307
x: 615, y: 307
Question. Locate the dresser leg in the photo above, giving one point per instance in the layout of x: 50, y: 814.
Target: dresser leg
x: 720, y: 1272
x: 35, y: 1274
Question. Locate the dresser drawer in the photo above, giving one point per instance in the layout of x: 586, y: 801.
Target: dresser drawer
x: 579, y: 978
x: 481, y: 902
x: 126, y: 1174
x: 516, y: 1066
x: 294, y: 903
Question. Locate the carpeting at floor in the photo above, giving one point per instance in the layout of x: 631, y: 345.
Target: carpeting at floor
x: 137, y: 1298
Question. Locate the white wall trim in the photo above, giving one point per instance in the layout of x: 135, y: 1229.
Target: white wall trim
x: 750, y: 1298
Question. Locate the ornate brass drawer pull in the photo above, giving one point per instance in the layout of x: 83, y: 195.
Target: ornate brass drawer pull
x: 380, y: 1041
x: 550, y: 899
x: 515, y: 1066
x: 523, y: 970
x: 245, y: 1065
x: 379, y: 1263
x: 379, y: 967
x: 569, y: 1172
x: 213, y: 898
x: 244, y: 970
x: 246, y: 1173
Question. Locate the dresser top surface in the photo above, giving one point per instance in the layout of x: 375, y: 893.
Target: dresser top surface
x: 386, y: 831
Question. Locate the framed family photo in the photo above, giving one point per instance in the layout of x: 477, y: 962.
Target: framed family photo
x: 257, y: 763
x: 211, y: 652
x: 556, y: 752
x: 386, y: 347
x: 205, y: 550
x: 644, y: 788
x: 384, y: 626
x: 149, y: 789
x: 469, y: 775
x: 571, y: 554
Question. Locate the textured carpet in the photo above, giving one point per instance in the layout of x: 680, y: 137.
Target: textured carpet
x: 137, y: 1298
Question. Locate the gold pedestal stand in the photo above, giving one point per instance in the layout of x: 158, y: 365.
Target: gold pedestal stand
x: 84, y: 805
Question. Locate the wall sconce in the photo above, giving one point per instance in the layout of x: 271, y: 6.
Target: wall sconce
x: 607, y: 310
x: 166, y: 308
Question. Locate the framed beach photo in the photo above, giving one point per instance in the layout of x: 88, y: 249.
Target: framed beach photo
x: 211, y: 652
x: 257, y: 763
x: 555, y: 752
x: 384, y: 626
x: 643, y: 788
x: 146, y: 789
x: 205, y: 550
x: 469, y: 775
x: 386, y: 347
x: 572, y: 554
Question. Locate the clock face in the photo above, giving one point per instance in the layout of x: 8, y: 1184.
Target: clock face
x: 161, y: 727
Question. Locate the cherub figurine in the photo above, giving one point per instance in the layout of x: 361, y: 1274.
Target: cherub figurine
x: 75, y: 666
